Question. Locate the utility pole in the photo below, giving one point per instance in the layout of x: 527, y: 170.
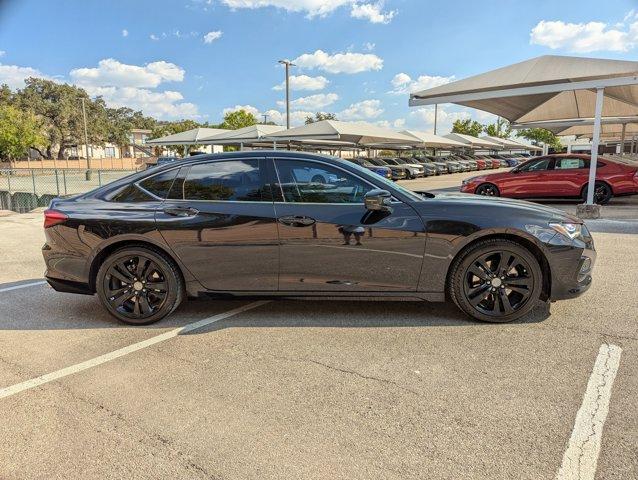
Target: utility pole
x: 265, y: 115
x: 287, y: 64
x: 86, y: 143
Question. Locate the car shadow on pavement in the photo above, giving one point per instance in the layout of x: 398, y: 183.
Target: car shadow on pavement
x: 41, y: 308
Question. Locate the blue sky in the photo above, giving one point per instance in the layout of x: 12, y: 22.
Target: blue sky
x: 356, y: 58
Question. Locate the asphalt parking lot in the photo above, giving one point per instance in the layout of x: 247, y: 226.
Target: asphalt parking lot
x: 320, y: 389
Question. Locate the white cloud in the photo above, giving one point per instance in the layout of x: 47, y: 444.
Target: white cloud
x: 369, y: 46
x: 125, y: 33
x: 14, y: 75
x: 304, y: 82
x: 340, y: 62
x: 364, y: 110
x: 110, y: 72
x: 313, y: 102
x: 403, y: 83
x: 153, y: 37
x: 373, y: 12
x: 162, y: 105
x: 587, y: 37
x: 399, y: 123
x: 312, y: 8
x: 297, y: 117
x: 210, y: 37
x: 246, y: 108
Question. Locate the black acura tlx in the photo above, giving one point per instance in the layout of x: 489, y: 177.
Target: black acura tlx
x: 281, y: 223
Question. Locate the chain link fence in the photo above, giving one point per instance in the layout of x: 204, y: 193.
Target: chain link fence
x: 23, y: 189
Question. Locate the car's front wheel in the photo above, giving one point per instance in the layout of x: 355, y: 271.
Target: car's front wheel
x: 139, y: 285
x: 495, y: 280
x: 488, y: 190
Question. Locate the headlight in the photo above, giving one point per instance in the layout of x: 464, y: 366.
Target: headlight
x: 569, y: 230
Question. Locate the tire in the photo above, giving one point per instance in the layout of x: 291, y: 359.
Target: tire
x: 478, y: 292
x: 488, y: 189
x: 318, y: 179
x: 139, y: 285
x: 602, y: 193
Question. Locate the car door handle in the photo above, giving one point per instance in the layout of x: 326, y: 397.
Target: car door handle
x: 297, y: 220
x: 181, y: 211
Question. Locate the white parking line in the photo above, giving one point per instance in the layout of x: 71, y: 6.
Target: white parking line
x: 49, y: 377
x: 24, y: 285
x: 581, y: 456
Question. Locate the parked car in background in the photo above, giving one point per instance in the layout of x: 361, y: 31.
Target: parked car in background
x: 453, y: 166
x: 382, y: 171
x: 242, y: 224
x: 440, y: 164
x: 557, y: 176
x: 415, y: 169
x: 399, y: 172
x: 429, y: 167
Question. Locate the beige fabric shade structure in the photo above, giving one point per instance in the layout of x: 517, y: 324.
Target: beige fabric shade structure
x: 509, y: 144
x: 189, y: 137
x: 246, y: 135
x: 469, y: 141
x: 548, y: 88
x: 362, y: 134
x: 429, y: 140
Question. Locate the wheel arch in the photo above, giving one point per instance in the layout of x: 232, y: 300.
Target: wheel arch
x: 598, y: 180
x: 488, y: 183
x: 523, y: 241
x: 105, y: 252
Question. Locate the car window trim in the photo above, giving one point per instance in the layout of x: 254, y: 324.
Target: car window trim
x: 137, y: 184
x: 274, y: 162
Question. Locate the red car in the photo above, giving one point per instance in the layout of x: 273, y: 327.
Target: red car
x: 564, y: 176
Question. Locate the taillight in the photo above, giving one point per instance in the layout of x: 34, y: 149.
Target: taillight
x: 53, y: 217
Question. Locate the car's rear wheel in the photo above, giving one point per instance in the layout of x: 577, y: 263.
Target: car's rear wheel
x: 602, y: 193
x: 495, y: 280
x: 139, y: 285
x: 488, y: 189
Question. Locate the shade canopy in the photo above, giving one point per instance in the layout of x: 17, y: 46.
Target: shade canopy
x: 469, y: 141
x: 583, y: 127
x: 544, y: 88
x: 509, y: 144
x: 189, y: 137
x: 362, y: 134
x: 251, y: 134
x: 429, y: 140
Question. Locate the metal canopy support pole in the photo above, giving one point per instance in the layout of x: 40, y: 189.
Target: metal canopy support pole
x: 274, y: 145
x: 436, y: 114
x: 594, y: 145
x: 622, y: 139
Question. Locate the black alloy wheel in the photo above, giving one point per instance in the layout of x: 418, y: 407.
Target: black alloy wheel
x: 602, y: 193
x: 496, y: 281
x: 488, y: 190
x: 139, y: 285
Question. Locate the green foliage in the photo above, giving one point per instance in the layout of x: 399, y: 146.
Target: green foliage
x: 238, y: 119
x: 540, y: 135
x: 467, y: 127
x: 19, y: 130
x: 319, y: 116
x: 501, y: 128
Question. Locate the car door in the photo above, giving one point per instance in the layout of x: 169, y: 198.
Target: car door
x: 529, y: 180
x: 330, y: 242
x: 568, y: 176
x: 220, y: 221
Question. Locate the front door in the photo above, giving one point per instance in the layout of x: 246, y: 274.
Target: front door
x: 220, y: 221
x: 330, y: 242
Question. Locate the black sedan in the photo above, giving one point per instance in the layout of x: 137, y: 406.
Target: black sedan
x: 261, y: 223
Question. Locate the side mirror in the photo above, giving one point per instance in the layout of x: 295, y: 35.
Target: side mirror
x: 378, y: 200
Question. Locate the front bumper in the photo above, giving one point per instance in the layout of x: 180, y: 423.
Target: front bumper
x: 571, y: 273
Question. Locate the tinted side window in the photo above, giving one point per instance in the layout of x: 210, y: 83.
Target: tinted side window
x: 536, y: 165
x: 569, y: 163
x: 159, y: 184
x: 311, y: 182
x: 130, y: 193
x: 233, y: 180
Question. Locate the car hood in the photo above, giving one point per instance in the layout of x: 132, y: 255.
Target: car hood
x: 490, y: 205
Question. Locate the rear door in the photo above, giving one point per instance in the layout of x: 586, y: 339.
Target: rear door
x: 220, y: 221
x: 330, y: 242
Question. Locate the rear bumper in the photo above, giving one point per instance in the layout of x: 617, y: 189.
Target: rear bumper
x: 68, y: 286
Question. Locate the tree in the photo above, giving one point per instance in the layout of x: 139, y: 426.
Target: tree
x: 540, y: 135
x: 467, y: 127
x: 238, y: 119
x: 500, y: 129
x: 120, y: 123
x: 19, y: 131
x: 60, y: 109
x: 319, y: 116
